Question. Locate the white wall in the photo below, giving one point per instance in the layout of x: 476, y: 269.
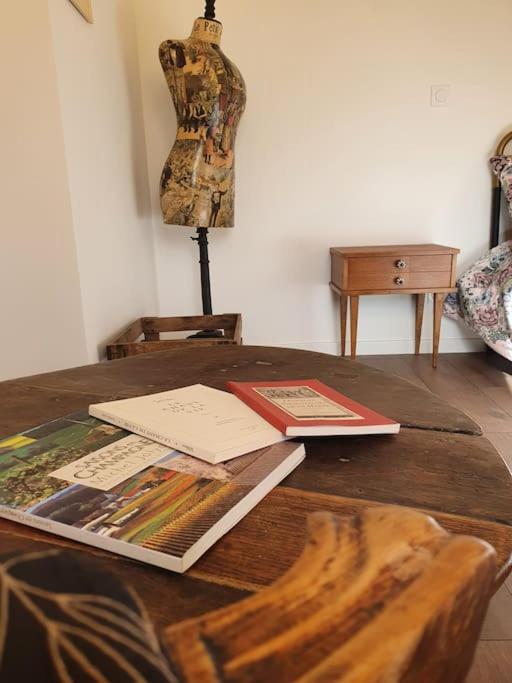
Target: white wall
x: 339, y: 146
x: 99, y: 84
x: 41, y: 326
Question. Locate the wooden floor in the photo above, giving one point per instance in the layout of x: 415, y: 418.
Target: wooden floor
x: 469, y: 382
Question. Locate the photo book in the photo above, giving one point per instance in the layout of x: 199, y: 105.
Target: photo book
x: 308, y: 407
x: 94, y: 483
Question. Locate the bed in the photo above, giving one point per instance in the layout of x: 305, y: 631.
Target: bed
x: 484, y: 297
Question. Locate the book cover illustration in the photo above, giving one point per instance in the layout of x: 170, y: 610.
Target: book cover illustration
x: 166, y: 507
x: 310, y: 408
x: 304, y: 403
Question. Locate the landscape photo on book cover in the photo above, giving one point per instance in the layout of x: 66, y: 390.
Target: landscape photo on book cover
x: 166, y: 507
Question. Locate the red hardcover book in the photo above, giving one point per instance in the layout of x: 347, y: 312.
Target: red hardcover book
x: 308, y: 407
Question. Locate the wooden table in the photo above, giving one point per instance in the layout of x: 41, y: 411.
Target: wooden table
x: 439, y: 463
x: 418, y: 269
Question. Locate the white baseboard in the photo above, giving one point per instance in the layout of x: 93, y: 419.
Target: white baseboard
x: 389, y: 346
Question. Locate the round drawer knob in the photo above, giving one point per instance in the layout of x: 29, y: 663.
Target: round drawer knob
x: 399, y: 281
x: 401, y: 264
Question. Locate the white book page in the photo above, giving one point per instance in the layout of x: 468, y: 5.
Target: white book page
x: 200, y: 416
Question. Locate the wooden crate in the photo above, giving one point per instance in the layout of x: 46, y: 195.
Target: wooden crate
x: 143, y: 335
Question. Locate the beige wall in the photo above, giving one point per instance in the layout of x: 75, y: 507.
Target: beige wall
x: 339, y: 146
x: 41, y: 325
x: 76, y: 228
x: 99, y: 85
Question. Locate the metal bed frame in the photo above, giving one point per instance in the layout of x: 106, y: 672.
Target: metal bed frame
x: 496, y: 359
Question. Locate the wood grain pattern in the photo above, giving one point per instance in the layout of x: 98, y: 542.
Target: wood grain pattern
x: 406, y: 269
x: 498, y: 623
x: 468, y: 377
x: 132, y: 333
x: 430, y: 280
x: 469, y: 381
x: 226, y: 321
x: 502, y: 396
x: 236, y: 333
x: 402, y: 249
x: 354, y: 320
x: 393, y: 290
x: 361, y: 282
x: 379, y: 264
x: 118, y: 351
x: 395, y: 365
x: 384, y: 596
x: 339, y: 272
x: 264, y: 544
x: 457, y: 388
x: 343, y: 323
x: 397, y: 263
x: 262, y: 547
x: 502, y: 442
x: 420, y: 308
x: 431, y: 465
x: 438, y: 315
x: 389, y: 282
x: 494, y: 383
x: 492, y: 663
x: 431, y: 262
x: 144, y: 335
x: 152, y: 373
x: 23, y: 406
x: 450, y: 473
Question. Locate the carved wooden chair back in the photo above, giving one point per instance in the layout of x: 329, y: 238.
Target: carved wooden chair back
x: 383, y: 597
x: 387, y: 596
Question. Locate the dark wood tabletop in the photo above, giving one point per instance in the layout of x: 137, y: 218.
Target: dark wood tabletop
x: 439, y: 463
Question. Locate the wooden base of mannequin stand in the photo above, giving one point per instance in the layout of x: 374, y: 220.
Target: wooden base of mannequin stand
x: 144, y: 335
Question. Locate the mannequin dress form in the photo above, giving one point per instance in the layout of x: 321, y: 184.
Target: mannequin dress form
x: 208, y: 91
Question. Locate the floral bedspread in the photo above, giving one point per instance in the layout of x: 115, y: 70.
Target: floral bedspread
x: 484, y: 299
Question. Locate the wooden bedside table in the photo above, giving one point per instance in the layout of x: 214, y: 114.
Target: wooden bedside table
x: 418, y: 269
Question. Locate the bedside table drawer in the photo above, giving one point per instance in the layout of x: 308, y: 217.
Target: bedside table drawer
x: 378, y: 264
x: 400, y: 264
x: 398, y: 281
x: 436, y: 263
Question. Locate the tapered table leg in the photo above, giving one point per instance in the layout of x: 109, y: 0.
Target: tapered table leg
x: 420, y: 307
x: 439, y: 298
x: 354, y: 316
x: 343, y: 322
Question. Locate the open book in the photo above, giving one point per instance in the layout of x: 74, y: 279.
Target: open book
x: 94, y: 483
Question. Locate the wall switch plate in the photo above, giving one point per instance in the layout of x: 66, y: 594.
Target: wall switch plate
x: 439, y: 95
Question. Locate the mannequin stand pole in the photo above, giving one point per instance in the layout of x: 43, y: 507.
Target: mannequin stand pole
x: 206, y: 288
x: 204, y: 261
